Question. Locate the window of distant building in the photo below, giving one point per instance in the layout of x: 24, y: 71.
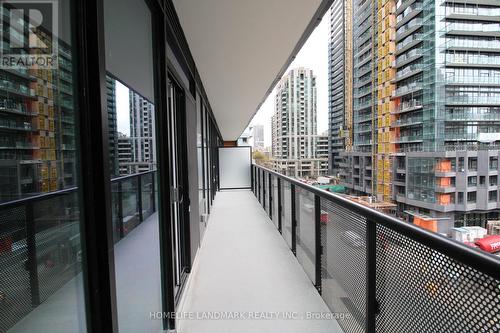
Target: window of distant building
x: 493, y: 163
x: 472, y: 165
x: 471, y: 197
x: 461, y: 165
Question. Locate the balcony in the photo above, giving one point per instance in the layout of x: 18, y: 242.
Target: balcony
x: 408, y: 121
x: 407, y: 106
x: 174, y: 249
x: 407, y: 89
x: 295, y: 251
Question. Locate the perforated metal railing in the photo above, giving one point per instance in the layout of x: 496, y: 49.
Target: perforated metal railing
x: 380, y: 274
x: 40, y: 247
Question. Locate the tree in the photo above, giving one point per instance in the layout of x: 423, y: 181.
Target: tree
x: 258, y: 156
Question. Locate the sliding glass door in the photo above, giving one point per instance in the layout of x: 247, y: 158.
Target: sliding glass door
x: 178, y: 182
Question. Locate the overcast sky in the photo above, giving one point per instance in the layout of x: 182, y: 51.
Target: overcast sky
x: 313, y: 55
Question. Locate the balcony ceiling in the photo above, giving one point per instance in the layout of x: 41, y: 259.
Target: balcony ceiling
x: 241, y: 47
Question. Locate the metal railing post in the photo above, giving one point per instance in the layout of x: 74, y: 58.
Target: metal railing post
x: 371, y: 275
x: 31, y: 261
x: 120, y: 210
x: 294, y: 220
x: 271, y: 196
x: 317, y: 241
x: 252, y: 178
x: 280, y: 207
x: 264, y: 189
x: 139, y: 198
x: 153, y: 196
x: 258, y: 184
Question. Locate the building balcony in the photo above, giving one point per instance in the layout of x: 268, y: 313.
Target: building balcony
x: 407, y: 89
x: 296, y: 252
x: 408, y: 106
x: 407, y: 122
x: 209, y: 242
x: 409, y: 13
x: 408, y: 138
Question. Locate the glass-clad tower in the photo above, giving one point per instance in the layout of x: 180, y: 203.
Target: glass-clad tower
x: 339, y: 82
x: 427, y: 109
x: 357, y: 163
x: 448, y: 111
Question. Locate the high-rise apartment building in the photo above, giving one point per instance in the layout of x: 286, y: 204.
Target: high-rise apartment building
x: 322, y: 146
x: 258, y: 136
x: 253, y: 136
x: 37, y: 146
x: 448, y: 111
x: 357, y: 164
x: 112, y: 125
x: 142, y: 133
x: 427, y: 109
x: 340, y: 82
x: 386, y: 85
x: 125, y: 154
x: 294, y: 127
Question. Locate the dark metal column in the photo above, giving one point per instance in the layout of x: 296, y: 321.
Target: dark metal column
x: 294, y: 220
x: 280, y: 206
x: 258, y: 183
x: 270, y: 196
x: 160, y: 27
x: 92, y: 138
x: 371, y: 275
x: 120, y: 210
x: 317, y: 241
x: 264, y: 189
x: 153, y: 196
x: 139, y: 198
x: 251, y: 178
x: 31, y: 262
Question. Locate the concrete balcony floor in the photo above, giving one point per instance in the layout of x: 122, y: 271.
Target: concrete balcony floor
x: 245, y: 266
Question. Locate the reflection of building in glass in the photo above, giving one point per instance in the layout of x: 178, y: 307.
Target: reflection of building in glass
x: 294, y: 128
x: 112, y: 125
x: 141, y: 143
x: 37, y: 130
x: 124, y: 154
x: 65, y: 105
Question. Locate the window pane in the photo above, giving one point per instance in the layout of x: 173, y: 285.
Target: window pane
x: 41, y: 288
x: 132, y: 140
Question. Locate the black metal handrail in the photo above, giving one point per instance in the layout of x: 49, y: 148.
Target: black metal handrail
x: 26, y: 222
x: 121, y: 178
x: 412, y: 277
x: 35, y: 198
x: 53, y: 194
x: 477, y: 259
